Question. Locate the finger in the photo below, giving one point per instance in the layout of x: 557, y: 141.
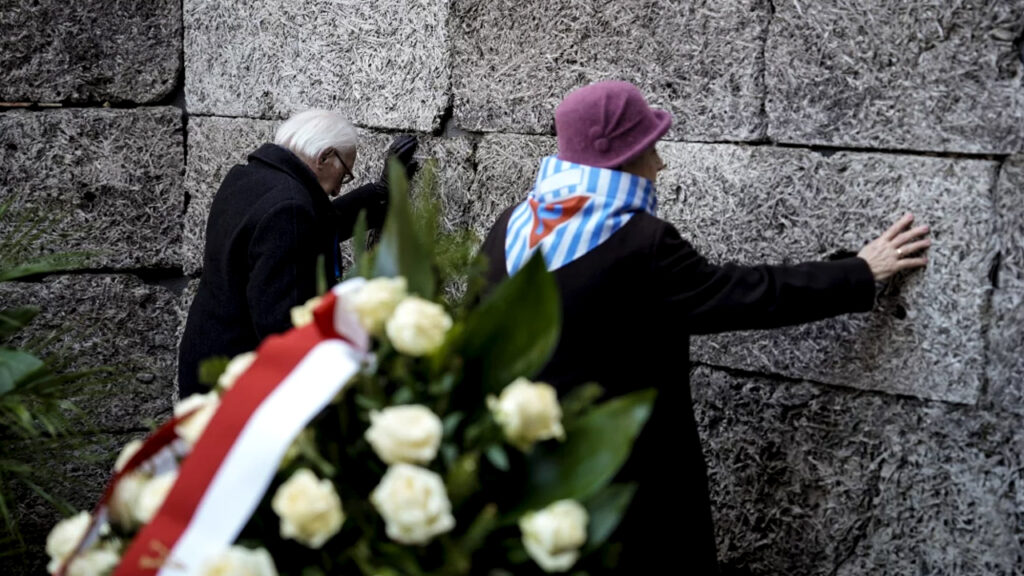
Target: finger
x: 909, y: 235
x: 915, y: 246
x: 898, y: 226
x: 911, y: 263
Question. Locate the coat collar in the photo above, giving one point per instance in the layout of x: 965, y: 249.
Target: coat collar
x: 286, y: 161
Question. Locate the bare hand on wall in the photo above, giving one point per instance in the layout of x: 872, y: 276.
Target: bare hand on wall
x: 898, y: 248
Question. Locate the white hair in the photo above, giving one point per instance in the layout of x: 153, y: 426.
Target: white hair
x: 311, y: 132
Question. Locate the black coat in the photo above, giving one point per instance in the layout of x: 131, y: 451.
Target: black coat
x: 269, y: 222
x: 628, y: 309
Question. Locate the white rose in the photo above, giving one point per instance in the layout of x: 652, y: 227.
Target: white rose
x: 413, y: 503
x: 64, y: 537
x: 129, y: 450
x: 152, y: 496
x: 302, y: 315
x: 239, y: 561
x: 238, y: 365
x: 418, y: 326
x: 95, y: 562
x: 527, y: 412
x: 192, y: 428
x: 553, y: 536
x: 409, y: 434
x: 126, y: 498
x: 375, y: 301
x: 310, y: 509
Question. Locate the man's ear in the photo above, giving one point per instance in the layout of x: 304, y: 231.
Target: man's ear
x: 324, y: 157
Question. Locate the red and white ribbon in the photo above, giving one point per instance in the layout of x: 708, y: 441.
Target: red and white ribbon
x: 220, y: 484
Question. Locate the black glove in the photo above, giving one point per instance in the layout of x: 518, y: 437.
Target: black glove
x: 402, y: 148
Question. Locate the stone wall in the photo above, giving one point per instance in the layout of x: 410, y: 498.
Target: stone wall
x: 884, y: 443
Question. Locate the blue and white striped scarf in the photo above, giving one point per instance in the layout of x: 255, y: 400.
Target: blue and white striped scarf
x: 571, y: 210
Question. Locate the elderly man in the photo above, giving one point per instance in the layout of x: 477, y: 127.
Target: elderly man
x: 633, y: 290
x: 271, y: 221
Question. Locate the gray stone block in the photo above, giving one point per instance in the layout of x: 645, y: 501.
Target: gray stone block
x: 762, y: 205
x: 506, y: 168
x: 97, y: 180
x: 113, y: 321
x: 702, y: 61
x: 926, y: 75
x: 216, y: 144
x: 90, y: 51
x: 1005, y: 361
x: 385, y: 64
x: 811, y: 480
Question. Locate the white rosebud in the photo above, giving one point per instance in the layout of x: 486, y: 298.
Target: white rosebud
x: 527, y: 412
x: 309, y: 509
x: 239, y: 561
x: 238, y: 365
x: 413, y: 503
x: 129, y: 450
x: 409, y: 434
x: 125, y: 500
x: 64, y: 537
x: 152, y: 496
x: 192, y: 428
x: 553, y: 536
x: 418, y: 327
x: 375, y: 301
x: 303, y: 315
x: 95, y: 562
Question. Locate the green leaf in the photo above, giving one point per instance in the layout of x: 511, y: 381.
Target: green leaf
x: 606, y: 510
x: 14, y: 319
x: 47, y: 264
x: 402, y: 251
x: 211, y: 369
x: 496, y: 455
x: 359, y: 255
x: 595, y: 448
x: 451, y: 423
x: 14, y: 367
x: 513, y: 332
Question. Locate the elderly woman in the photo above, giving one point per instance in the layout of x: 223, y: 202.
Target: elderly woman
x: 633, y: 291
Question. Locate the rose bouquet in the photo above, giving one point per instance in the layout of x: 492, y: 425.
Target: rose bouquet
x: 392, y: 431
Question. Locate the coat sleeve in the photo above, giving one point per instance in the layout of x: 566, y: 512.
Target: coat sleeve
x: 373, y: 198
x: 282, y: 266
x: 706, y: 298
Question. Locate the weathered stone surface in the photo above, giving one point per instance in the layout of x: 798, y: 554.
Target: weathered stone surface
x: 113, y: 321
x: 385, y: 64
x: 702, y: 61
x: 923, y: 75
x: 506, y: 168
x: 1005, y: 361
x: 216, y: 144
x: 756, y: 205
x: 184, y: 303
x: 811, y: 480
x: 768, y: 206
x: 75, y: 471
x: 103, y: 181
x: 89, y: 51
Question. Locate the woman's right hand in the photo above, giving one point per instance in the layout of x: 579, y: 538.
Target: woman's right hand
x: 897, y: 249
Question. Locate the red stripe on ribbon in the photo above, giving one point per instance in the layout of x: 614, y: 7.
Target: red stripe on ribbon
x: 275, y: 359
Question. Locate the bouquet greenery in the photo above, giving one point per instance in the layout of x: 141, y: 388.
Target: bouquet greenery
x: 439, y: 456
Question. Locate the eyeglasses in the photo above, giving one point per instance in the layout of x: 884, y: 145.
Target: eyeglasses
x: 348, y: 177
